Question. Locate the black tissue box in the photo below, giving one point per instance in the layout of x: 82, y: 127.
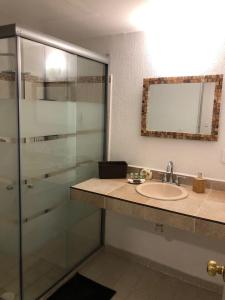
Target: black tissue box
x: 112, y: 169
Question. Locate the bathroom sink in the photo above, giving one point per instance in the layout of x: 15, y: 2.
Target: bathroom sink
x: 162, y: 191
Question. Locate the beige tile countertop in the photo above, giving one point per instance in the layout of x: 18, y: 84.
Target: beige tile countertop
x: 200, y: 213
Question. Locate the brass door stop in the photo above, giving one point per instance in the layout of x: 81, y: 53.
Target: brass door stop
x: 213, y: 269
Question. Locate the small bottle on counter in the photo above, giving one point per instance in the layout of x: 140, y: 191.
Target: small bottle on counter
x: 199, y: 184
x: 146, y: 173
x: 135, y: 178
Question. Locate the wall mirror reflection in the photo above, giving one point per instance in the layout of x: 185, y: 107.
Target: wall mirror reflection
x: 182, y: 107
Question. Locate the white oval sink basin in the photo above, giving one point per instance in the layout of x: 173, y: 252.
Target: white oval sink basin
x: 162, y: 191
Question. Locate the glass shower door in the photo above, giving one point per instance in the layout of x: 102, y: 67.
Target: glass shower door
x: 85, y: 220
x: 57, y: 151
x: 9, y: 175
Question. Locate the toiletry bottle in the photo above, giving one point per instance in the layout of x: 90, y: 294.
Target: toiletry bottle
x: 199, y: 184
x: 146, y: 173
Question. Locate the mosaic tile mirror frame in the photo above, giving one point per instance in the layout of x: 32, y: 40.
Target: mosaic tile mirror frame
x: 156, y: 93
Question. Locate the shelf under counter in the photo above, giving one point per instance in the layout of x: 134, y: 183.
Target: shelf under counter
x: 198, y: 213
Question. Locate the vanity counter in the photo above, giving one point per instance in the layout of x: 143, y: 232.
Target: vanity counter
x: 199, y: 213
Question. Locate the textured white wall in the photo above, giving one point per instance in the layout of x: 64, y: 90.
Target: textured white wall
x: 130, y: 62
x: 175, y: 248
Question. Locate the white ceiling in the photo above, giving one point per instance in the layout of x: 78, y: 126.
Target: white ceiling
x: 71, y: 19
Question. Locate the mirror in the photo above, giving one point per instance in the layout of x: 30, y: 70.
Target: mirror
x: 182, y: 107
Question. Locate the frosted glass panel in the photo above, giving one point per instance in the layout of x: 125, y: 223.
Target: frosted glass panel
x: 62, y: 139
x: 46, y: 157
x: 84, y: 236
x: 9, y: 195
x: 7, y: 108
x: 90, y: 116
x: 90, y: 146
x: 86, y: 171
x: 47, y: 118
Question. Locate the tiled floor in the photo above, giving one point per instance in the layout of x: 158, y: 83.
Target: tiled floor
x: 133, y: 281
x: 43, y: 268
x: 39, y: 275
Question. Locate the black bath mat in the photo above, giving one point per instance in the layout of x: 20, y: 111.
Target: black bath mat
x: 82, y: 288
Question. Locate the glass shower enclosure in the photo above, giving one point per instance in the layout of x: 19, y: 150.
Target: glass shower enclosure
x: 52, y: 134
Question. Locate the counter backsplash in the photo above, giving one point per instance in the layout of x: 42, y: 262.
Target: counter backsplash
x: 186, y: 179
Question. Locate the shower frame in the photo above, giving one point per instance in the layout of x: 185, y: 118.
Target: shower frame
x: 13, y: 30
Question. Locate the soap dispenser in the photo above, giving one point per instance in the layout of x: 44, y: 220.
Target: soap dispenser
x: 199, y: 184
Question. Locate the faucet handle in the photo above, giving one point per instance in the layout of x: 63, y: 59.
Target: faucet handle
x: 163, y: 176
x: 178, y: 178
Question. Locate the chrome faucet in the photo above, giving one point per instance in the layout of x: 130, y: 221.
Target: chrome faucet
x: 169, y: 176
x: 169, y: 172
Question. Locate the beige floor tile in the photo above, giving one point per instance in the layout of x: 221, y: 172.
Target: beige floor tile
x: 185, y: 291
x: 95, y: 267
x: 107, y: 269
x: 55, y: 274
x: 147, y: 286
x: 35, y: 272
x: 166, y: 288
x: 37, y: 289
x: 133, y: 281
x: 116, y: 297
x: 130, y: 280
x: 203, y: 294
x: 113, y: 271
